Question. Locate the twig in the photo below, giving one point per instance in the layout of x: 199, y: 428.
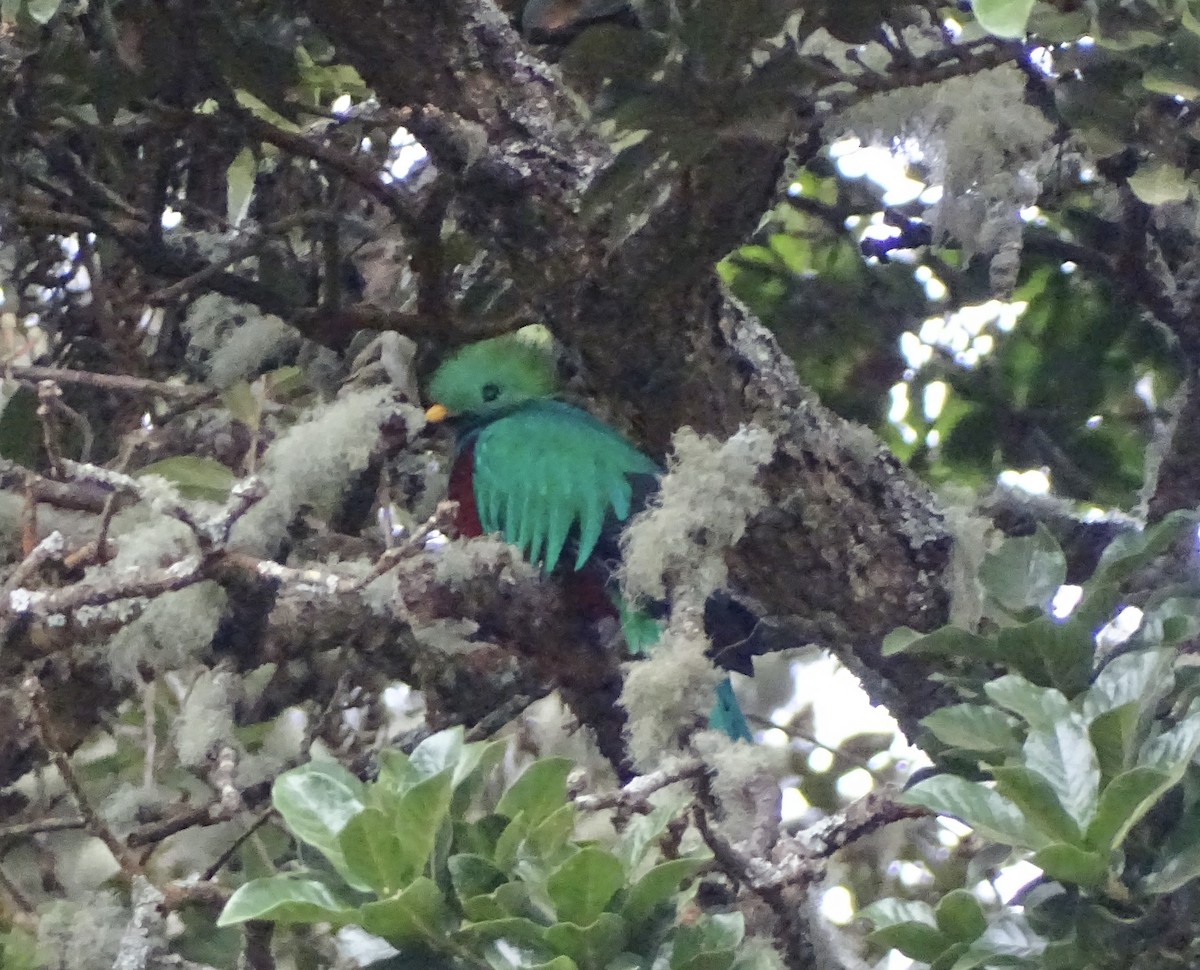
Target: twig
x: 868, y: 814
x: 144, y: 940
x: 159, y: 495
x: 42, y: 603
x: 223, y: 779
x: 63, y: 495
x: 441, y: 521
x: 15, y: 893
x: 32, y: 688
x: 632, y: 796
x: 108, y: 382
x: 52, y: 547
x: 22, y: 829
x: 211, y: 872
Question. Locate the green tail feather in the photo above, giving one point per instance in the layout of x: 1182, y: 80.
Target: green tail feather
x: 642, y: 631
x: 727, y: 714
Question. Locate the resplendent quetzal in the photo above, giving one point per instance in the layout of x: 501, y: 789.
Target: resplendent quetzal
x: 548, y: 477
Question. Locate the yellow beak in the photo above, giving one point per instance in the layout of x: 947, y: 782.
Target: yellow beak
x: 436, y: 413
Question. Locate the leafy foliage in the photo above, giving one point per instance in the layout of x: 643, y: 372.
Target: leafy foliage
x: 425, y: 859
x: 1078, y: 757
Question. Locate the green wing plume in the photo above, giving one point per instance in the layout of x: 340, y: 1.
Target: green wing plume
x: 549, y: 467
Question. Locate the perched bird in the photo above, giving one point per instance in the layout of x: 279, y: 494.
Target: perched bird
x: 549, y: 478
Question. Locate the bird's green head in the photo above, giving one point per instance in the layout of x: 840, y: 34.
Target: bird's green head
x: 493, y: 376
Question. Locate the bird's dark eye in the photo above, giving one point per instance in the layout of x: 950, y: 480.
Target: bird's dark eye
x: 490, y: 392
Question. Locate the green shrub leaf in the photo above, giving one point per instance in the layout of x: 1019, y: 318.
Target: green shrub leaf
x: 418, y: 915
x: 540, y: 790
x: 976, y: 727
x: 316, y: 801
x: 287, y: 899
x: 1064, y: 756
x: 582, y: 886
x: 591, y: 946
x: 988, y: 812
x: 1071, y: 864
x: 1123, y: 802
x: 960, y: 916
x: 1027, y: 571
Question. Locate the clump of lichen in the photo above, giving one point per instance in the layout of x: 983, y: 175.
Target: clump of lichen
x: 82, y: 933
x: 702, y: 508
x: 313, y: 463
x: 977, y: 138
x: 675, y: 551
x: 172, y: 629
x: 671, y: 690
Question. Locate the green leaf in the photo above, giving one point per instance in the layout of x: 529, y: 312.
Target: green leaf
x: 658, y: 886
x: 591, y: 946
x: 549, y: 837
x: 1174, y: 619
x: 517, y: 929
x: 644, y: 830
x: 473, y: 875
x: 1182, y: 857
x: 1132, y: 550
x: 239, y: 185
x: 991, y: 814
x: 1142, y: 677
x: 510, y: 841
x: 541, y: 789
x: 195, y: 477
x: 418, y: 915
x: 507, y: 899
x: 481, y: 835
x: 1003, y: 18
x: 710, y: 944
x: 582, y: 886
x: 372, y: 852
x: 976, y: 727
x: 960, y: 916
x: 1173, y: 749
x: 1027, y: 571
x: 949, y: 641
x: 1009, y: 935
x: 243, y: 404
x: 890, y: 911
x: 1039, y: 706
x: 1034, y: 795
x: 417, y: 816
x: 287, y: 899
x: 1071, y: 864
x: 437, y: 753
x: 917, y: 941
x: 316, y: 801
x: 1064, y: 756
x: 1123, y: 802
x: 1114, y: 736
x: 1173, y: 82
x: 1160, y: 182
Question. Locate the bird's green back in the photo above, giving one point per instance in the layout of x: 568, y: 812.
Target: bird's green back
x: 548, y: 471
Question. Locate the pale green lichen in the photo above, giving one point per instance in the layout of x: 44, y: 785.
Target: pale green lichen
x: 669, y: 691
x: 230, y: 340
x: 702, y: 508
x: 205, y: 718
x: 314, y: 462
x: 977, y: 138
x: 83, y: 933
